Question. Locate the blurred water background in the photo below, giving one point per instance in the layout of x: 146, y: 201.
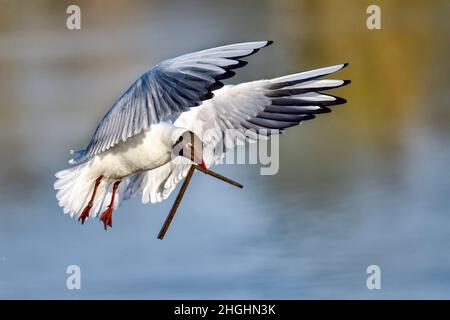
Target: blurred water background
x: 367, y: 184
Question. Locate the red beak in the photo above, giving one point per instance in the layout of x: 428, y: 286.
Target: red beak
x: 203, y: 164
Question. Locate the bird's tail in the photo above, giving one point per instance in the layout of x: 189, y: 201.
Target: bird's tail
x: 74, y: 190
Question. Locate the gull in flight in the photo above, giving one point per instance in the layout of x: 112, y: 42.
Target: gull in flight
x: 147, y: 141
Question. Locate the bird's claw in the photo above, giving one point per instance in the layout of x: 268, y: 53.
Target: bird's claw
x: 85, y: 214
x: 106, y: 217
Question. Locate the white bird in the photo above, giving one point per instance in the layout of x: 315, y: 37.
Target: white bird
x: 148, y: 139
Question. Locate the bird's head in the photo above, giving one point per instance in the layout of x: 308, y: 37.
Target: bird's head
x: 190, y: 146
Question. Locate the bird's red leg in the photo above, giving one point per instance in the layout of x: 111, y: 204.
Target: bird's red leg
x: 85, y: 213
x: 107, y: 215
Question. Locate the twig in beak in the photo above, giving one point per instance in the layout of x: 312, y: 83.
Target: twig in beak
x: 218, y: 176
x: 175, y: 205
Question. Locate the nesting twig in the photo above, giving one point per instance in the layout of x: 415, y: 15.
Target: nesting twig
x: 218, y: 176
x: 180, y: 195
x: 175, y: 205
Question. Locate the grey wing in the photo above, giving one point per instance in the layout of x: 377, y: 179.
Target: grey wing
x: 166, y: 90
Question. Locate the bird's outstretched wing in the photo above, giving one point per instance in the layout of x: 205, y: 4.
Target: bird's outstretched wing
x: 264, y: 107
x: 166, y: 90
x: 252, y: 110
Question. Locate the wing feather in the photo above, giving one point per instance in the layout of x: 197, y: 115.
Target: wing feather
x: 253, y: 111
x: 264, y: 106
x: 166, y: 90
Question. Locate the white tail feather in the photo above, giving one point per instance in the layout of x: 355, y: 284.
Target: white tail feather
x: 74, y: 190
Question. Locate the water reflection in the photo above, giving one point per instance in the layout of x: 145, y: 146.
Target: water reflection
x: 364, y: 185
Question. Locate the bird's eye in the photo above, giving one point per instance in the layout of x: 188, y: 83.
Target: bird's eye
x: 180, y: 139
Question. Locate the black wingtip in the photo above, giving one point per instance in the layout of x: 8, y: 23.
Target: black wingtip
x: 346, y: 82
x: 337, y: 101
x: 269, y: 42
x: 322, y: 110
x: 240, y: 64
x: 226, y: 75
x: 344, y: 65
x: 208, y: 96
x: 340, y: 101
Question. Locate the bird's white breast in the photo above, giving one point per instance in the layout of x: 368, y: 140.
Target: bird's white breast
x: 144, y: 151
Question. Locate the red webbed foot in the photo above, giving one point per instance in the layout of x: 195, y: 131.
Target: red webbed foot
x: 106, y: 217
x: 85, y: 214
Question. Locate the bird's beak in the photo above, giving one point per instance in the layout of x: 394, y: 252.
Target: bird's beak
x: 203, y: 164
x: 199, y: 161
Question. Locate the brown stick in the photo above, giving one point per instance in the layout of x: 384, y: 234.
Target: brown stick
x: 180, y: 195
x: 175, y: 205
x: 218, y: 176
